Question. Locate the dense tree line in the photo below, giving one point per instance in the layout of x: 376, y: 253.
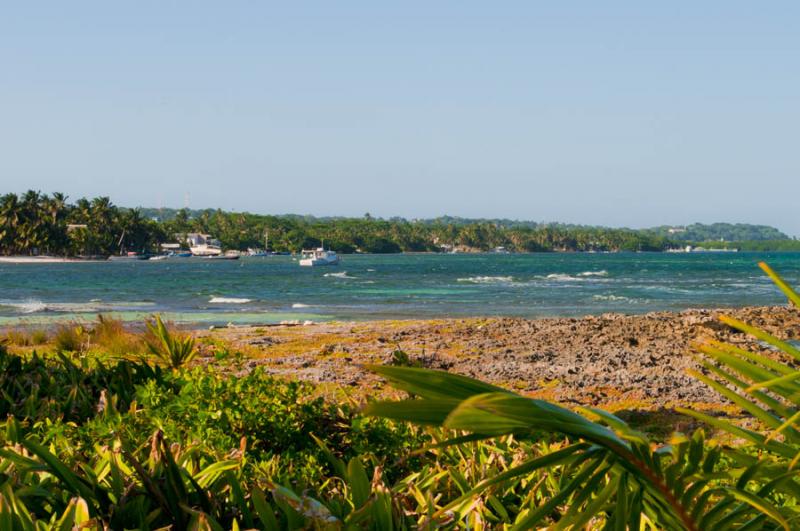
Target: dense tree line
x: 36, y: 223
x: 731, y: 232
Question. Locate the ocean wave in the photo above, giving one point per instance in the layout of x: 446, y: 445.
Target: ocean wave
x: 340, y: 274
x: 300, y: 305
x: 30, y: 306
x: 562, y: 277
x: 228, y: 300
x: 614, y: 298
x: 601, y: 273
x: 27, y: 306
x: 486, y: 280
x: 595, y: 276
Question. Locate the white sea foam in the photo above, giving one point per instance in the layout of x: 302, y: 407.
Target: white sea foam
x: 228, y: 300
x: 371, y: 270
x: 595, y: 276
x: 562, y: 277
x: 601, y: 273
x: 340, y: 274
x: 37, y: 306
x: 613, y: 298
x: 486, y: 280
x: 27, y: 306
x: 300, y: 305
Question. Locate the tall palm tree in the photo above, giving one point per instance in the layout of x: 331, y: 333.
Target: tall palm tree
x: 9, y: 223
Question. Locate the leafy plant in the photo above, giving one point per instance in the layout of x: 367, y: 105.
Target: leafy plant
x: 614, y: 474
x: 400, y: 358
x: 174, y: 350
x: 618, y: 477
x: 71, y: 338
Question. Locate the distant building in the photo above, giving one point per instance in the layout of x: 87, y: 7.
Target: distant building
x: 676, y: 230
x: 194, y: 239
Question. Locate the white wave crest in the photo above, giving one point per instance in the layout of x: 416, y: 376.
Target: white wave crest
x: 27, y: 306
x: 37, y: 306
x: 300, y: 305
x: 580, y: 277
x: 601, y: 273
x: 228, y: 300
x: 341, y: 274
x: 562, y: 277
x: 486, y: 280
x: 613, y: 298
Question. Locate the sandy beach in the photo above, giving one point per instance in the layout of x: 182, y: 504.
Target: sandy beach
x: 617, y: 361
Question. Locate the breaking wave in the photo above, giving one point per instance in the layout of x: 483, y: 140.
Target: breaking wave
x: 228, y: 300
x: 341, y: 274
x: 614, y: 298
x: 29, y: 306
x: 486, y: 280
x: 580, y: 277
x: 601, y: 273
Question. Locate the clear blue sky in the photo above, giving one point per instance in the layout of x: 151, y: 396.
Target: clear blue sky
x: 616, y: 113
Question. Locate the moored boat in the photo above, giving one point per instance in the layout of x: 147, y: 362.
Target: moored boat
x: 318, y: 257
x: 227, y: 255
x: 206, y: 249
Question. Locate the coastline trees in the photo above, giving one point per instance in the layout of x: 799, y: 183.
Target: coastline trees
x: 36, y: 223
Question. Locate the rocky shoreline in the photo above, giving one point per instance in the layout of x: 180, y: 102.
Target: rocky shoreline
x: 612, y: 360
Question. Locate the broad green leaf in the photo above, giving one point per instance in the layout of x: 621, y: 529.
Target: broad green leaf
x: 434, y: 384
x: 784, y: 287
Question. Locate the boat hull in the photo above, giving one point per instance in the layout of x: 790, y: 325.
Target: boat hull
x: 311, y: 262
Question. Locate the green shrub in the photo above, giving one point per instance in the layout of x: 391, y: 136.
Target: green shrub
x: 23, y: 338
x: 71, y: 338
x: 38, y: 337
x: 110, y: 336
x: 174, y: 350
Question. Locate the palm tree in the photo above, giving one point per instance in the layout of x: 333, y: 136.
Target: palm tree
x: 9, y: 223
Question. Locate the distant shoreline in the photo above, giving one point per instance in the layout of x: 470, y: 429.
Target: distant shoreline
x: 79, y: 260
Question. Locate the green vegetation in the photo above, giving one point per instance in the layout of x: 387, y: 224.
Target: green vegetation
x: 42, y: 224
x: 170, y: 348
x: 754, y: 245
x: 124, y: 443
x: 739, y: 232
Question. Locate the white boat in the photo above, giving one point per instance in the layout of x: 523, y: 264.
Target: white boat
x: 318, y: 257
x: 206, y: 249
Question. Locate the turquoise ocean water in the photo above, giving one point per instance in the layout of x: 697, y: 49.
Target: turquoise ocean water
x: 274, y: 289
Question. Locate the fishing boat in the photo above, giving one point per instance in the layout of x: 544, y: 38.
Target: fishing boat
x: 318, y: 257
x: 228, y: 255
x: 206, y: 249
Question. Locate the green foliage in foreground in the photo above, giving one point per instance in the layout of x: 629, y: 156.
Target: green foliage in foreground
x: 172, y: 349
x: 619, y: 478
x: 128, y: 445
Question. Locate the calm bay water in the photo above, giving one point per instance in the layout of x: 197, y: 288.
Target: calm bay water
x: 273, y: 289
